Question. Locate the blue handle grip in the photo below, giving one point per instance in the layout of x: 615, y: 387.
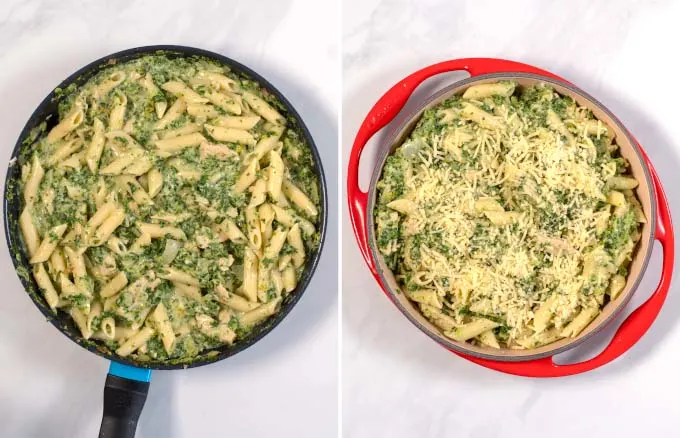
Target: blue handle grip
x: 130, y: 372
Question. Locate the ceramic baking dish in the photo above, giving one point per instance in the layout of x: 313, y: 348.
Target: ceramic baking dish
x: 532, y: 362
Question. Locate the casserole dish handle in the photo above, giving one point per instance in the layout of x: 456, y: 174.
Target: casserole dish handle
x: 124, y: 396
x: 387, y: 108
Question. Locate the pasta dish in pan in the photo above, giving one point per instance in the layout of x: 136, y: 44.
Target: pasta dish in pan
x: 170, y: 209
x: 508, y: 216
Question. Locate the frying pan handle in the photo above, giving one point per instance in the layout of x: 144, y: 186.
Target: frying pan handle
x: 632, y: 329
x: 387, y: 108
x: 124, y: 396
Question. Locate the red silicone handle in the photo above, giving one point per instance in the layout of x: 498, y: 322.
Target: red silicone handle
x: 634, y: 326
x: 387, y: 109
x: 630, y: 331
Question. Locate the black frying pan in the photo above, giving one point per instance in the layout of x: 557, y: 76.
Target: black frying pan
x: 127, y: 383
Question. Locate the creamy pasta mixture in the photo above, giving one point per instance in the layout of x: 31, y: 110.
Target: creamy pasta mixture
x: 171, y: 209
x: 508, y: 216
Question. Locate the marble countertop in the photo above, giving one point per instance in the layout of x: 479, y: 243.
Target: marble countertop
x: 286, y: 384
x: 396, y: 382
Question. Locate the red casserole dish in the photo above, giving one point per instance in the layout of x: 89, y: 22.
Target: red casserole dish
x: 528, y: 363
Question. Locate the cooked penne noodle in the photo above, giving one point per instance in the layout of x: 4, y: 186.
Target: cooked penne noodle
x: 268, y: 142
x: 250, y: 267
x: 29, y: 232
x: 172, y: 114
x: 263, y: 108
x: 294, y: 238
x: 258, y: 193
x: 160, y: 316
x: 177, y: 144
x: 57, y: 262
x: 140, y: 166
x: 48, y: 244
x: 106, y: 229
x: 260, y: 313
x: 117, y: 165
x: 277, y: 281
x: 247, y: 177
x: 471, y: 329
x: 135, y: 341
x: 275, y: 175
x: 80, y: 318
x: 157, y: 231
x: 188, y: 128
x: 245, y: 123
x: 275, y: 244
x: 181, y: 90
x: 117, y: 115
x: 173, y: 274
x: 234, y: 301
x: 289, y: 279
x: 154, y: 181
x: 298, y: 198
x: 254, y: 234
x: 109, y: 84
x: 72, y: 120
x: 230, y: 135
x: 266, y: 217
x: 115, y: 285
x: 34, y: 179
x: 487, y: 90
x: 96, y: 146
x: 95, y: 312
x: 203, y: 111
x: 219, y: 151
x: 45, y: 285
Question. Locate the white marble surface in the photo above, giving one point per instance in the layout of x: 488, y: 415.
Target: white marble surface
x: 285, y: 385
x: 395, y: 381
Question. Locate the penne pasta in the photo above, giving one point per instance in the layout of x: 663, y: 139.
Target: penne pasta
x: 96, y: 146
x: 72, y: 120
x: 117, y: 115
x: 29, y: 231
x: 48, y: 244
x: 250, y: 267
x: 289, y: 279
x: 172, y: 114
x: 245, y: 123
x: 275, y: 175
x: 230, y: 135
x: 177, y: 144
x: 115, y: 285
x: 254, y: 234
x: 158, y: 231
x: 203, y: 111
x: 45, y: 284
x: 263, y: 108
x: 34, y: 179
x: 147, y: 210
x: 247, y: 177
x: 163, y: 327
x: 298, y: 198
x: 175, y: 275
x: 181, y: 90
x: 135, y: 341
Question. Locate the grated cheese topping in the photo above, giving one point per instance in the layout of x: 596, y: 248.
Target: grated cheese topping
x: 508, y: 216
